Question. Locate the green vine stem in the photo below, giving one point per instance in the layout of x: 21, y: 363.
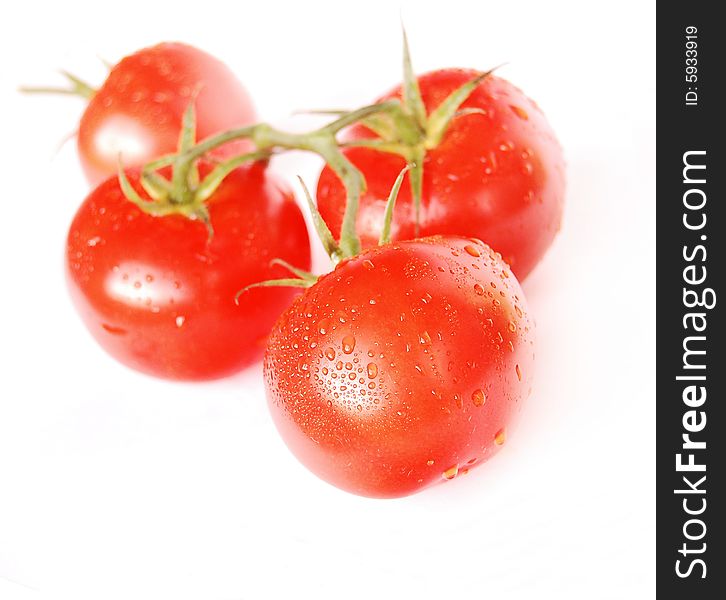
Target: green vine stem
x: 184, y: 195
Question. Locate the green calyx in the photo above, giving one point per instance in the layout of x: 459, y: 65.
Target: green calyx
x: 184, y: 194
x: 407, y: 130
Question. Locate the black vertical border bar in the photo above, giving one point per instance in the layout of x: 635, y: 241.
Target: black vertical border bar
x: 681, y: 128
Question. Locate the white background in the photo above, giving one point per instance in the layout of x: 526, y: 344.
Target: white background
x: 115, y: 485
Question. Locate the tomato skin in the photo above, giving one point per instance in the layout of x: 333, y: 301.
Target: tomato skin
x: 402, y: 364
x: 160, y: 298
x: 498, y: 177
x: 138, y: 110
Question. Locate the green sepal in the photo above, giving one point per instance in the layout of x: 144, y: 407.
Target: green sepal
x: 78, y: 88
x: 201, y: 212
x: 390, y: 205
x: 412, y: 101
x: 360, y: 114
x: 321, y: 227
x: 187, y: 139
x: 128, y: 190
x: 155, y: 185
x: 301, y: 283
x: 442, y: 115
x: 213, y: 179
x: 301, y: 273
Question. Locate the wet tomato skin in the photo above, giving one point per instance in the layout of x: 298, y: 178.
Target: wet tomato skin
x: 160, y: 298
x: 138, y: 110
x: 403, y: 367
x: 497, y: 176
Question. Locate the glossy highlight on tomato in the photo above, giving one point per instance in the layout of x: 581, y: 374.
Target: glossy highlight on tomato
x: 403, y: 367
x: 497, y: 175
x: 137, y: 112
x: 159, y: 295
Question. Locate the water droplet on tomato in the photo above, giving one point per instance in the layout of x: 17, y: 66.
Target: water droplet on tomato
x: 323, y: 326
x: 500, y: 437
x: 113, y: 329
x: 451, y: 472
x: 512, y: 327
x: 368, y: 264
x: 372, y: 369
x: 180, y: 320
x: 424, y: 338
x: 472, y: 250
x: 330, y: 354
x: 478, y: 289
x: 348, y: 344
x: 478, y: 398
x: 520, y: 112
x: 519, y: 372
x: 429, y: 462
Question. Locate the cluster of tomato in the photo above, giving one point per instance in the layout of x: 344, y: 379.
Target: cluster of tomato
x: 405, y: 364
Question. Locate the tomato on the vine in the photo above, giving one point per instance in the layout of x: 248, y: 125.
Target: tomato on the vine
x: 158, y: 292
x: 137, y: 112
x: 403, y: 367
x: 497, y: 174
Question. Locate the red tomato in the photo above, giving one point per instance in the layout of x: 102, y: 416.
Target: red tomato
x: 497, y: 176
x: 159, y: 297
x: 403, y: 367
x: 138, y: 110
